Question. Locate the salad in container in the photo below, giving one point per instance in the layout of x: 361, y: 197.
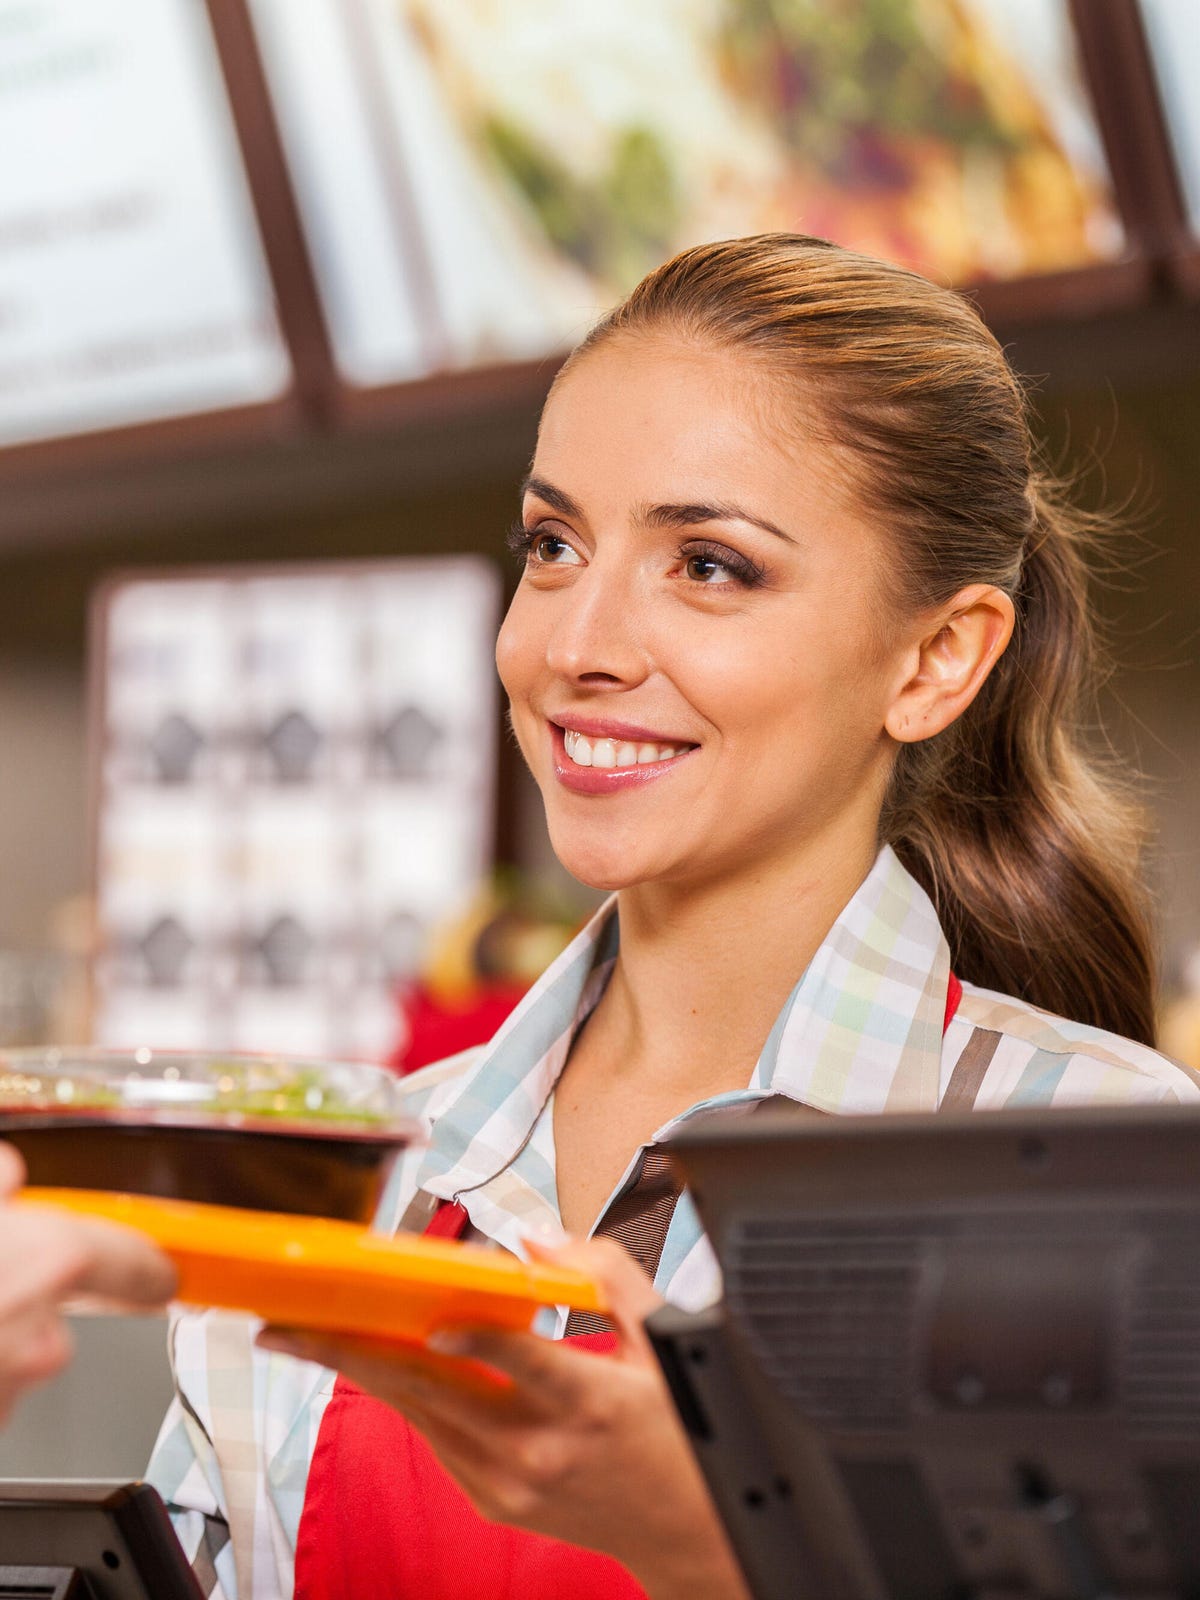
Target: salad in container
x: 261, y: 1133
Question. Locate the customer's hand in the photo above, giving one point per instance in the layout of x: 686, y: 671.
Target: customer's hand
x: 48, y: 1257
x: 582, y: 1447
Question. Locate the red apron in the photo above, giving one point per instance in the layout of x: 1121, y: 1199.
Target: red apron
x: 383, y: 1520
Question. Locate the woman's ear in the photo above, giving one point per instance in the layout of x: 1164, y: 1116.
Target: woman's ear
x: 960, y: 645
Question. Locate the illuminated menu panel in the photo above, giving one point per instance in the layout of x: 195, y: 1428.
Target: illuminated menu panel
x: 296, y: 786
x: 1173, y: 29
x: 422, y: 264
x: 480, y: 181
x: 133, y: 286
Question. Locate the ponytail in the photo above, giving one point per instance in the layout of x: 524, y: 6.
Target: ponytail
x: 1024, y: 840
x: 1028, y: 847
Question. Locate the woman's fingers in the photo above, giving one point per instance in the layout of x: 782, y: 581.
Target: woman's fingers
x: 548, y: 1374
x: 485, y: 1433
x: 395, y: 1372
x: 506, y: 1386
x: 630, y: 1295
x: 508, y: 1450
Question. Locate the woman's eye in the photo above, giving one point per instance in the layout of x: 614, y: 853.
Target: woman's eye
x: 551, y: 550
x: 705, y: 569
x: 716, y: 566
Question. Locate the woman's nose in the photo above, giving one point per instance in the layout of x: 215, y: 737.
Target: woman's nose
x: 598, y: 636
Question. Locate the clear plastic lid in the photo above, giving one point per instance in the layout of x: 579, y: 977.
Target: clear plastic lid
x: 169, y: 1086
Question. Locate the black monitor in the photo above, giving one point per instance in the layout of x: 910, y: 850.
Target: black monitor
x: 89, y: 1541
x: 958, y: 1355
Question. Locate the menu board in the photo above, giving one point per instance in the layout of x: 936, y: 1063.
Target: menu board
x: 481, y: 180
x: 1173, y: 32
x: 422, y: 265
x: 133, y: 285
x: 296, y: 784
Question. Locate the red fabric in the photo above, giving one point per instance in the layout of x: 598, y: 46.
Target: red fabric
x: 434, y: 1031
x: 953, y: 996
x: 954, y: 992
x: 383, y: 1519
x: 447, y: 1222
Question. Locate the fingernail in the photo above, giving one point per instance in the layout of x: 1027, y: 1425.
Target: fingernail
x: 281, y: 1346
x: 445, y: 1342
x: 545, y: 1232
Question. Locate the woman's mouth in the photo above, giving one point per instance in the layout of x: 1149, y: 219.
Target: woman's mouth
x: 592, y: 764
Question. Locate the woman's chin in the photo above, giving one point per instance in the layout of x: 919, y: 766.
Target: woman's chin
x: 602, y: 865
x: 605, y: 880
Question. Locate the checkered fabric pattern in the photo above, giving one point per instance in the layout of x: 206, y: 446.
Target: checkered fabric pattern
x: 861, y: 1032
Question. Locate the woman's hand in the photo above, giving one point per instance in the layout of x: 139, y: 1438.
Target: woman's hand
x: 47, y: 1257
x: 564, y: 1442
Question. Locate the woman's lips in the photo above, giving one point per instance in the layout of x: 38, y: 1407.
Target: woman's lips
x: 603, y: 779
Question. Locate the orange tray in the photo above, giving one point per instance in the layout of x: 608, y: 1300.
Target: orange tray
x: 306, y: 1272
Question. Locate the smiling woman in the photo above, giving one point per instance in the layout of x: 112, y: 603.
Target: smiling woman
x: 798, y: 660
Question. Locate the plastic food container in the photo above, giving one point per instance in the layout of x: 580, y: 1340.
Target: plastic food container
x: 311, y: 1138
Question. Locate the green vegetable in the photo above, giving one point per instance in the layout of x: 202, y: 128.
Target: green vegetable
x: 253, y: 1089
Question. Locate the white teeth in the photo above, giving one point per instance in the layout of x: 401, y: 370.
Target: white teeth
x: 579, y: 749
x: 585, y: 752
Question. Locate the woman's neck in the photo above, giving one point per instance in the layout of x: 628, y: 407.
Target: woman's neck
x: 700, y: 978
x: 703, y: 971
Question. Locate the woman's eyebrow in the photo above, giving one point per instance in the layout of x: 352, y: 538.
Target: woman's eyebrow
x: 558, y: 498
x: 689, y: 515
x: 684, y: 515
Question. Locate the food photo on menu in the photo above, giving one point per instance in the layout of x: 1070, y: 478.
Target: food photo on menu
x: 598, y: 947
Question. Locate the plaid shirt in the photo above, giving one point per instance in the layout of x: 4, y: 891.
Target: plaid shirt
x: 862, y: 1031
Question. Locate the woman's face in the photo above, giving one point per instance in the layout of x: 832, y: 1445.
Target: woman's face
x: 694, y: 656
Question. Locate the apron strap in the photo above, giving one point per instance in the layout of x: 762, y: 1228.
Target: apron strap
x: 953, y: 996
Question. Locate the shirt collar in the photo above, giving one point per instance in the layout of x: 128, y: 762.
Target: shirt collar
x: 860, y: 1032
